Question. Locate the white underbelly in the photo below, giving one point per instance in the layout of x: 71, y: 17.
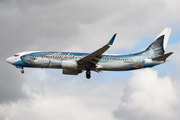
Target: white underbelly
x: 114, y: 66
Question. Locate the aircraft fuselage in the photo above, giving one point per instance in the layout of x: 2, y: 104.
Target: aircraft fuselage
x: 59, y: 59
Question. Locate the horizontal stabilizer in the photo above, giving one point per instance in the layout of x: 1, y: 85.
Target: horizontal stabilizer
x: 163, y: 57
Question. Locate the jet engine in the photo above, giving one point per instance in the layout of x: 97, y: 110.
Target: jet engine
x: 69, y: 64
x: 71, y: 72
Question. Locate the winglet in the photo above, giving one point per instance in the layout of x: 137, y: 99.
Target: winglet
x: 112, y: 40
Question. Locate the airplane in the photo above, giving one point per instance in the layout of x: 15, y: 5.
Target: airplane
x: 73, y: 63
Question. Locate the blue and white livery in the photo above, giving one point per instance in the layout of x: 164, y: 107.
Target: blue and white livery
x: 75, y: 63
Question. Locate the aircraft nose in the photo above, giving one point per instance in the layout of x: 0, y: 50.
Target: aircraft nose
x: 9, y: 60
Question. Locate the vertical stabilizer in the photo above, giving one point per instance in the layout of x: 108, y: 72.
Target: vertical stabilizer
x: 158, y: 46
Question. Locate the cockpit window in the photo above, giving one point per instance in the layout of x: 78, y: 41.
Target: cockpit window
x: 16, y: 55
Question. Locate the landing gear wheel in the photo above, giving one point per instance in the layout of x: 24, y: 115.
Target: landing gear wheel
x: 88, y: 74
x: 22, y: 71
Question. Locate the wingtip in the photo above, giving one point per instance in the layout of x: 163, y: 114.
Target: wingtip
x: 112, y: 39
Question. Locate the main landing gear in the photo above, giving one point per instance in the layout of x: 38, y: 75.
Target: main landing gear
x: 88, y: 74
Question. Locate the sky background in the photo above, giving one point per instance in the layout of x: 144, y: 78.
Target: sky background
x: 85, y: 26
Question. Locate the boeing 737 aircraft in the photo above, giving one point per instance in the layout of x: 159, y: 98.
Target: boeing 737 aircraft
x: 74, y: 63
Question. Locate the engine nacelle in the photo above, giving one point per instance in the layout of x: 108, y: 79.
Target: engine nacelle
x: 69, y: 64
x: 71, y: 72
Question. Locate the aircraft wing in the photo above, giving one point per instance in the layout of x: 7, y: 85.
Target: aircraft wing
x: 92, y: 59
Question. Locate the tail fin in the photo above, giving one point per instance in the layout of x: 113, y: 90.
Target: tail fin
x: 158, y: 46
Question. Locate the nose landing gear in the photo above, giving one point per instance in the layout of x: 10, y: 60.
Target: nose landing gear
x: 88, y: 74
x: 22, y: 71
